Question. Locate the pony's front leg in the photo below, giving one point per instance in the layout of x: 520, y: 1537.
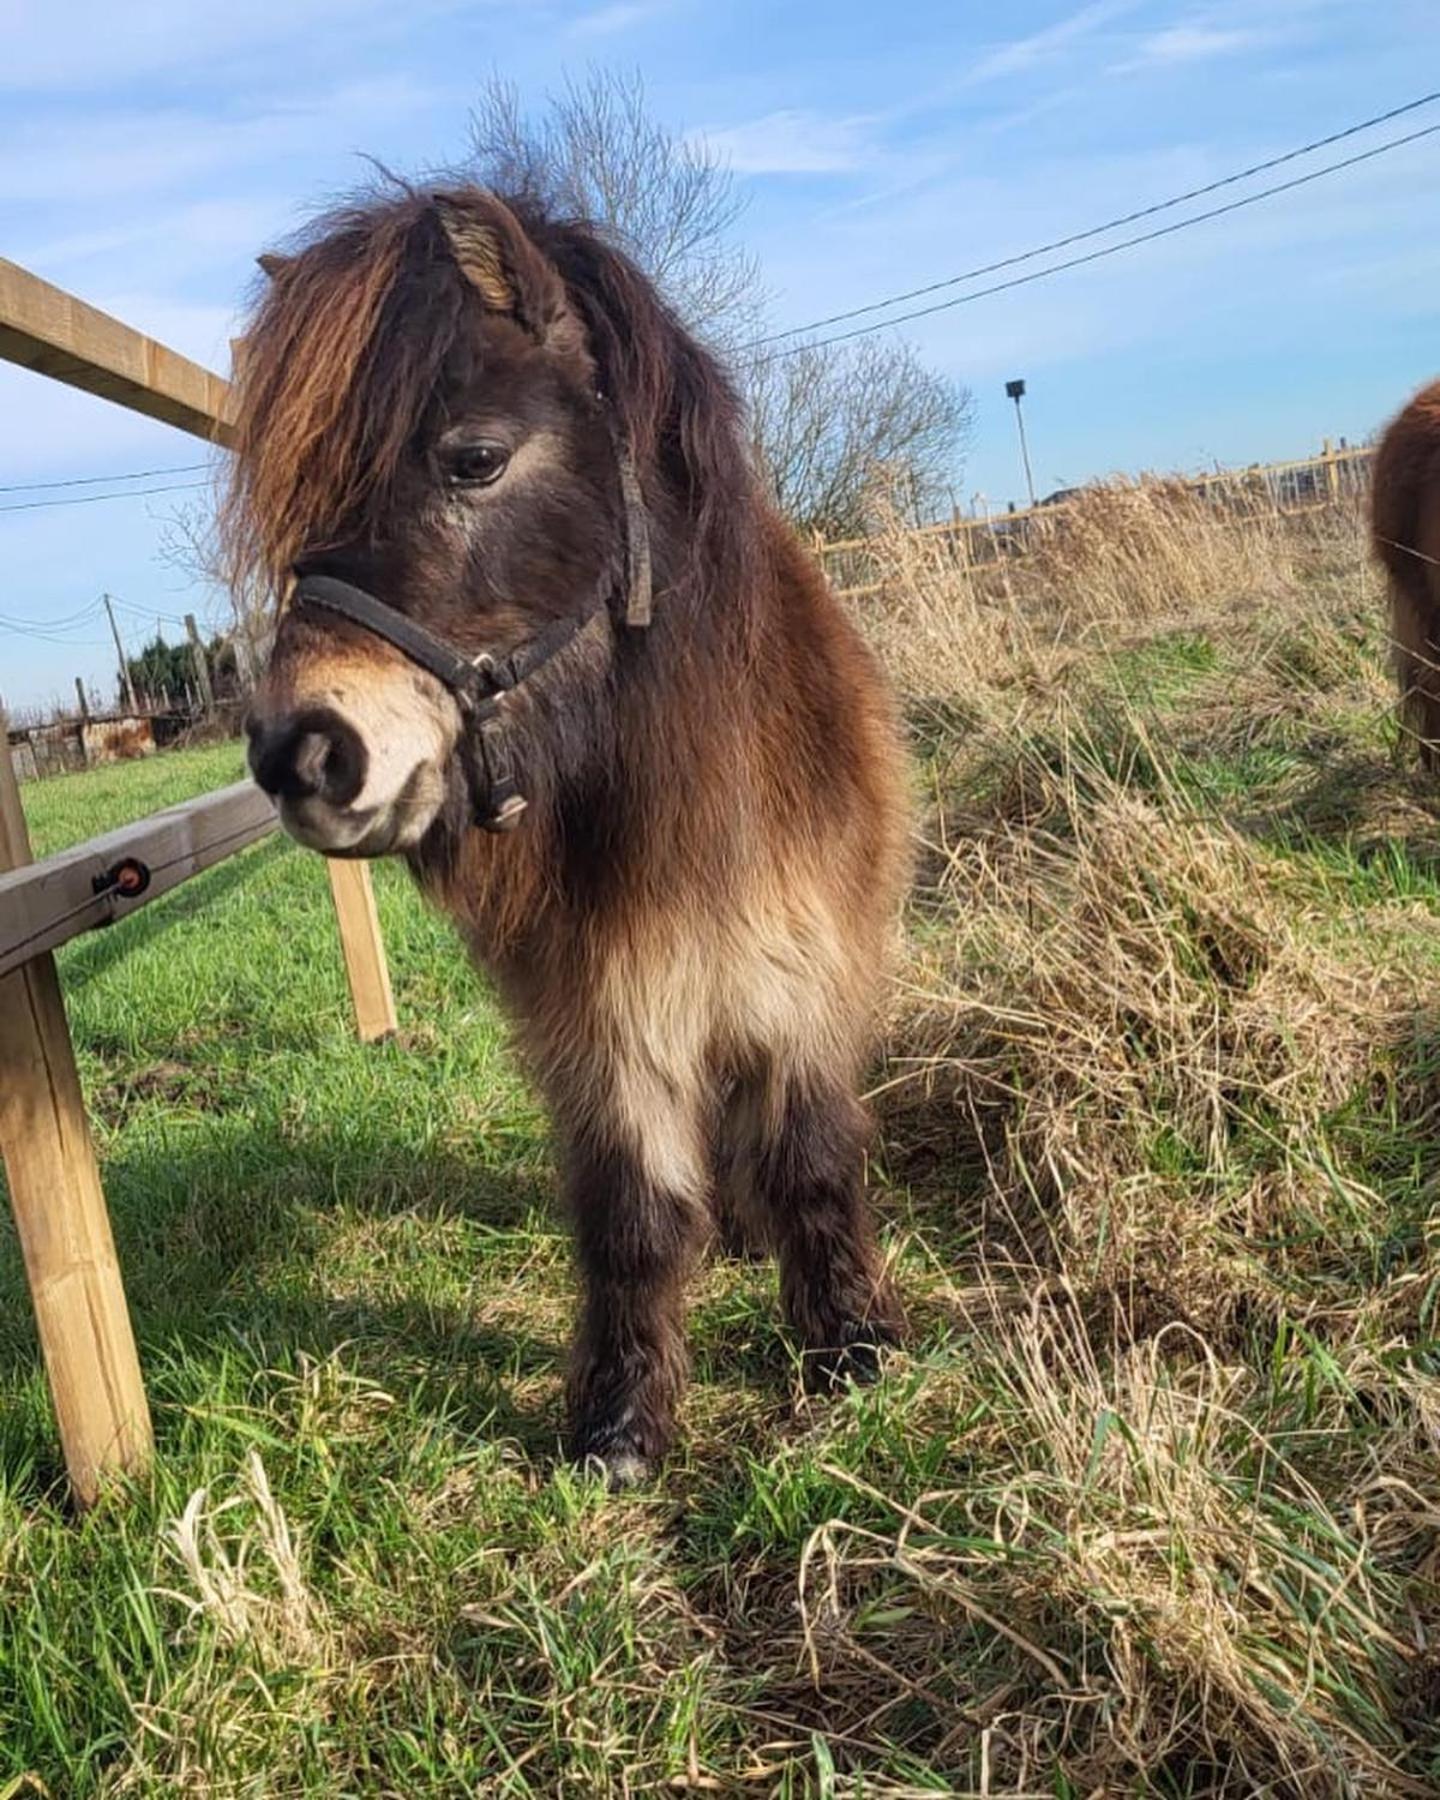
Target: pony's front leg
x: 636, y: 1189
x: 808, y: 1172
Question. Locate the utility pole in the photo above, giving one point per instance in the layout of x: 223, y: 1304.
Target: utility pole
x: 80, y: 696
x: 197, y: 656
x: 1015, y: 390
x: 125, y: 681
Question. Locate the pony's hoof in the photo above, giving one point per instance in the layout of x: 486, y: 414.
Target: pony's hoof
x: 856, y: 1361
x: 619, y: 1470
x: 612, y: 1457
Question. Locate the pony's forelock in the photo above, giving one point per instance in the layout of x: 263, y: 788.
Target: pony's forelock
x: 327, y: 397
x: 348, y: 345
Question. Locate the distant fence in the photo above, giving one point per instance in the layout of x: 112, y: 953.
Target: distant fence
x: 80, y: 741
x: 1281, y: 487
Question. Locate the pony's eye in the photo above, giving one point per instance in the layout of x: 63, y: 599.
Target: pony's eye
x: 475, y: 465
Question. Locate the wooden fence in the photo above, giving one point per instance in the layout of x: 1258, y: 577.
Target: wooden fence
x: 1283, y: 487
x: 63, y: 745
x: 50, y: 1166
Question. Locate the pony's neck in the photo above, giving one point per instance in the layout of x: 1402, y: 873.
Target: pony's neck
x: 610, y: 748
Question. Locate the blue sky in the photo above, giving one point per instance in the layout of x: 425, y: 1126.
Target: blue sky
x: 146, y: 153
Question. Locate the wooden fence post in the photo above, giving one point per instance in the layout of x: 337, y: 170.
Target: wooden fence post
x: 1332, y: 474
x: 364, y: 948
x: 60, y: 1214
x: 199, y: 664
x: 961, y: 541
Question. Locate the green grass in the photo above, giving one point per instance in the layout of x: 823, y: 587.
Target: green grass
x: 345, y: 1259
x: 69, y: 808
x: 1169, y: 1538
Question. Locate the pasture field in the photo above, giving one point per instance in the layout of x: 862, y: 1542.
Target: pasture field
x: 1151, y: 1504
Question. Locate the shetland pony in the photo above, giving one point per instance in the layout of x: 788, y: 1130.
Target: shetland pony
x: 672, y: 827
x: 1405, y: 531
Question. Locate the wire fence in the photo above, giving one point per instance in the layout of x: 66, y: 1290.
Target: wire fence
x: 1335, y: 475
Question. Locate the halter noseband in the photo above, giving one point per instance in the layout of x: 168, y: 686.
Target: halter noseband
x: 479, y: 683
x: 475, y: 683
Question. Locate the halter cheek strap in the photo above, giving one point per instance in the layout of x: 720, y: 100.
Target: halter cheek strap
x: 638, y: 582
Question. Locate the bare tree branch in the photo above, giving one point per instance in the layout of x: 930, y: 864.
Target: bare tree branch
x: 825, y: 422
x: 188, y: 543
x: 597, y: 153
x: 828, y: 422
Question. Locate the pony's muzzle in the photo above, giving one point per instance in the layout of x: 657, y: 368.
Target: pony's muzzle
x: 312, y: 755
x: 351, y: 741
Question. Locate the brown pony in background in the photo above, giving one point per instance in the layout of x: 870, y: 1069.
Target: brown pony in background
x: 1405, y: 528
x: 436, y: 399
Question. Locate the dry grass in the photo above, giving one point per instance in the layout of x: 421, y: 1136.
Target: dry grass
x: 1164, y: 1081
x: 1127, y: 1010
x: 1117, y: 563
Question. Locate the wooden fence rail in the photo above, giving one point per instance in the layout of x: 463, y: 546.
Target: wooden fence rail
x: 50, y: 1166
x: 45, y: 904
x: 45, y: 329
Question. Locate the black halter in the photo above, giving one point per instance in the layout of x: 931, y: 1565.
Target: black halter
x: 476, y: 683
x: 479, y: 683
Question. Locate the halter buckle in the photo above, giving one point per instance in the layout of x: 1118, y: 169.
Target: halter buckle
x: 500, y: 805
x: 499, y: 677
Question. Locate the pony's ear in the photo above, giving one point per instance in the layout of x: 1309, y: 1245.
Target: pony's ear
x: 273, y: 264
x: 496, y: 257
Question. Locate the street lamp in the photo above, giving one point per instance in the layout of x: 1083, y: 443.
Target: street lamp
x: 1015, y: 390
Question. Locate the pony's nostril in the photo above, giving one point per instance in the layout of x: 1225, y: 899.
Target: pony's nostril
x: 273, y: 762
x: 316, y: 754
x: 309, y: 760
x: 343, y: 764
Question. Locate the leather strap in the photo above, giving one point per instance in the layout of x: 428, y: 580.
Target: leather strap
x: 637, y: 542
x: 476, y: 682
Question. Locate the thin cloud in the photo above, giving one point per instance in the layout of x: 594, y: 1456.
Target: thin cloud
x: 187, y: 238
x: 609, y: 21
x: 62, y: 159
x: 792, y: 142
x: 88, y: 49
x: 60, y: 431
x: 1184, y: 44
x: 1026, y: 53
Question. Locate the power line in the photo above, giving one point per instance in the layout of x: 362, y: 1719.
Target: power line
x: 42, y: 628
x: 147, y: 613
x: 183, y: 487
x: 1075, y: 262
x: 49, y: 637
x: 34, y: 487
x: 67, y: 622
x: 1079, y: 237
x: 56, y: 630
